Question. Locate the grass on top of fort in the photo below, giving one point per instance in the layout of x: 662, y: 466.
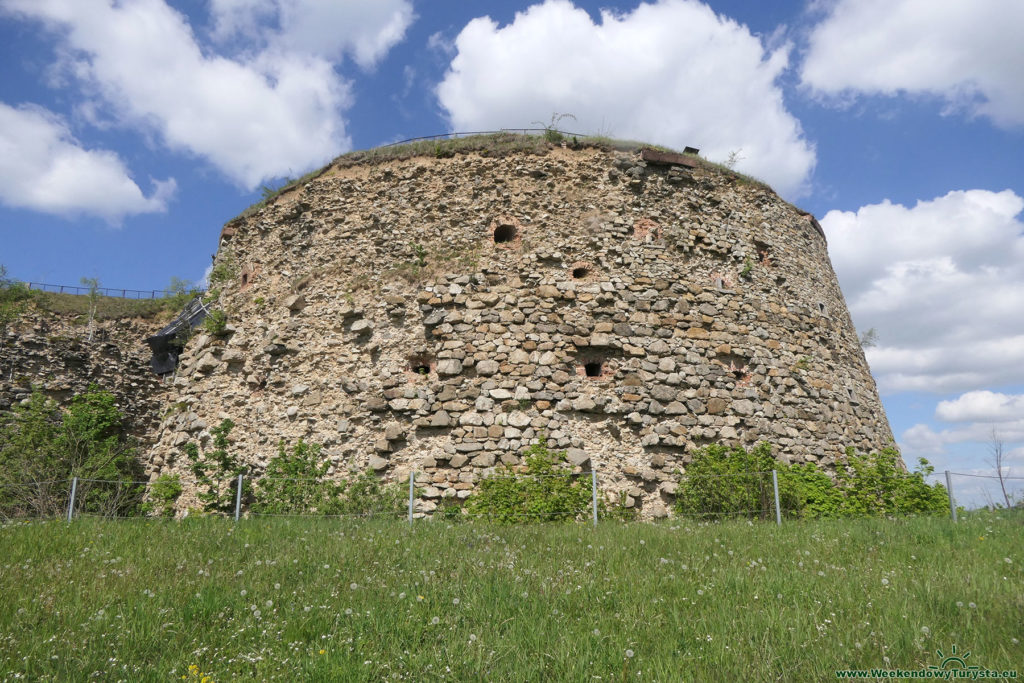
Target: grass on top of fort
x: 319, y: 599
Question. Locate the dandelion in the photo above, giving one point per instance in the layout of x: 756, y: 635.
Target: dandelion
x: 455, y: 602
x: 629, y: 654
x: 435, y: 621
x: 925, y: 630
x: 257, y: 614
x: 959, y: 603
x: 972, y: 605
x: 277, y: 586
x: 1007, y: 560
x: 269, y: 603
x: 323, y: 652
x: 700, y: 591
x: 353, y: 586
x: 401, y: 596
x: 597, y: 632
x: 885, y: 582
x: 348, y: 611
x: 472, y: 637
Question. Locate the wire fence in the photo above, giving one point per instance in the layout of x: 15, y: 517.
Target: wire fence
x: 773, y: 496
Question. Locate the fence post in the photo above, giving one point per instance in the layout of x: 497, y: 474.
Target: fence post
x: 412, y: 484
x: 238, y: 498
x: 71, y: 502
x: 952, y: 500
x: 593, y: 490
x: 775, y: 485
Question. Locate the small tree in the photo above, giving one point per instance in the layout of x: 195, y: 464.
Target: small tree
x: 215, y: 471
x: 996, y: 448
x: 93, y: 285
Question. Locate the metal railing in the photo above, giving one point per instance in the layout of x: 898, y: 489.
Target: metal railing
x: 114, y: 292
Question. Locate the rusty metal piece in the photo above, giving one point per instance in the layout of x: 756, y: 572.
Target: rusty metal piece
x: 669, y: 158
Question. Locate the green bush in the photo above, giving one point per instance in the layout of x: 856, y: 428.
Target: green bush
x: 544, y: 492
x: 163, y: 494
x: 216, y: 323
x: 296, y: 482
x: 42, y: 447
x: 875, y: 484
x: 731, y: 481
x: 734, y: 481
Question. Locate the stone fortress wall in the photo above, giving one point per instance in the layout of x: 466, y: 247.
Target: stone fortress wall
x: 440, y: 314
x: 50, y: 352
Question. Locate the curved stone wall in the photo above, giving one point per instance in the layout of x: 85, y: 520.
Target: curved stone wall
x: 440, y: 314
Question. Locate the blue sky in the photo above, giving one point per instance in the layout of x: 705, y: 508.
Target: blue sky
x: 131, y: 131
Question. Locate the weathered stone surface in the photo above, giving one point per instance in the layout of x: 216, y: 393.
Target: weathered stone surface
x: 577, y: 456
x: 449, y: 366
x: 487, y: 367
x: 659, y: 348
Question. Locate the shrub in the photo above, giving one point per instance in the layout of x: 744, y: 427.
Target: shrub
x: 42, y: 447
x: 875, y: 484
x: 730, y: 481
x: 163, y: 494
x: 544, y: 492
x: 216, y: 323
x: 296, y: 483
x: 733, y: 481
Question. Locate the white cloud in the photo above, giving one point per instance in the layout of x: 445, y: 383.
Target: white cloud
x: 982, y: 406
x: 671, y: 72
x: 364, y: 29
x: 968, y: 52
x: 942, y: 282
x: 273, y: 112
x: 43, y: 168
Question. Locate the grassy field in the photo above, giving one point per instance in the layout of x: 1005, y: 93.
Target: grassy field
x: 307, y: 599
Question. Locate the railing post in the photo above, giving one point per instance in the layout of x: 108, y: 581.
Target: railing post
x: 593, y: 490
x: 238, y: 498
x: 71, y: 501
x: 412, y: 484
x: 775, y: 485
x: 952, y: 500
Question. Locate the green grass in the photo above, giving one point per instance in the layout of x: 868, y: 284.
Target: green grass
x: 109, y: 307
x: 306, y: 599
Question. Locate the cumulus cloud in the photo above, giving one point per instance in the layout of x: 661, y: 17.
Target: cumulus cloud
x: 982, y: 406
x: 941, y: 282
x: 44, y: 168
x: 271, y: 112
x: 968, y: 53
x: 363, y: 29
x: 671, y: 72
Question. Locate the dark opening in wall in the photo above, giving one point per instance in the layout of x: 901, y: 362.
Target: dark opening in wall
x: 245, y: 279
x: 505, y: 233
x: 580, y: 272
x: 593, y: 368
x: 719, y: 283
x: 421, y: 365
x: 821, y: 308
